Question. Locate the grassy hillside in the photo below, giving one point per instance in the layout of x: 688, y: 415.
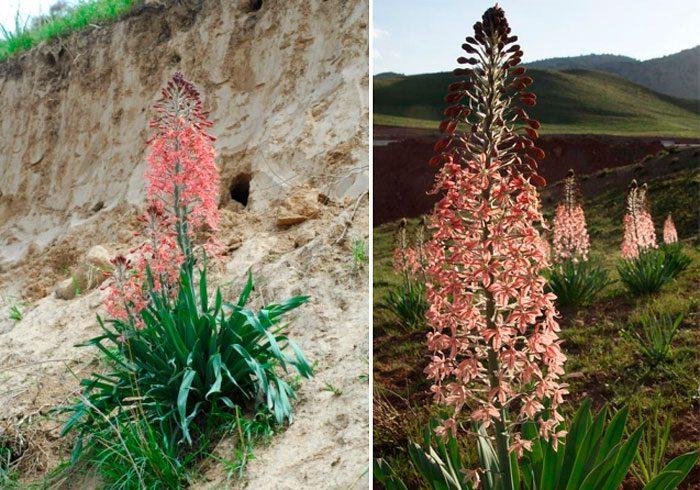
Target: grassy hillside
x: 575, y: 101
x: 602, y: 363
x: 21, y: 37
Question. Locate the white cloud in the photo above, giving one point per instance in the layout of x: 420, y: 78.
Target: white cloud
x: 379, y: 33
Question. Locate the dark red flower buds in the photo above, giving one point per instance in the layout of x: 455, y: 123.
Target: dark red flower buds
x: 537, y: 180
x: 538, y: 152
x: 533, y: 123
x: 528, y: 101
x: 532, y: 133
x: 448, y: 126
x: 441, y: 144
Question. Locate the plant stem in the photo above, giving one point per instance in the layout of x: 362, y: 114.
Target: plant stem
x: 501, y: 431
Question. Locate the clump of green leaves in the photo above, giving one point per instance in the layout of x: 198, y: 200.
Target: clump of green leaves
x: 649, y: 272
x: 250, y: 431
x: 652, y: 448
x: 15, y: 313
x: 132, y: 454
x: 594, y: 455
x: 653, y: 334
x: 360, y: 255
x: 191, y: 361
x: 407, y: 304
x: 578, y: 283
x: 675, y: 260
x: 646, y: 274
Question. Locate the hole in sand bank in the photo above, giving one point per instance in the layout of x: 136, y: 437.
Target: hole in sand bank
x: 254, y: 5
x: 239, y: 189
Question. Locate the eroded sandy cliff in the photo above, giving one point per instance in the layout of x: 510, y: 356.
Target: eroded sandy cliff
x: 287, y: 86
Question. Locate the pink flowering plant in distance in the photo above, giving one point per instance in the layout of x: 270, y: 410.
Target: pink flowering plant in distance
x: 574, y: 279
x: 670, y: 233
x: 496, y: 356
x: 645, y: 267
x: 570, y: 239
x: 639, y: 234
x: 406, y: 302
x: 179, y: 359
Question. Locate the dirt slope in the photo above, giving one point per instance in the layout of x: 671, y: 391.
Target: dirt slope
x: 401, y: 168
x: 287, y: 87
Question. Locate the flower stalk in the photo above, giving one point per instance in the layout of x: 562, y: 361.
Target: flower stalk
x: 182, y: 196
x: 570, y: 239
x: 495, y: 350
x: 639, y: 234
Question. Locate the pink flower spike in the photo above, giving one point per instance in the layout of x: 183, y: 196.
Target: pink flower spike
x: 670, y: 234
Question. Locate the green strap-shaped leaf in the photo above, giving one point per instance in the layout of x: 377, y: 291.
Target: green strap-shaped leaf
x: 587, y: 450
x: 623, y: 461
x: 245, y: 294
x: 613, y: 435
x: 548, y: 478
x: 674, y: 472
x: 203, y: 296
x: 182, y: 396
x: 664, y: 481
x: 577, y: 432
x: 215, y: 367
x: 386, y: 476
x: 601, y: 471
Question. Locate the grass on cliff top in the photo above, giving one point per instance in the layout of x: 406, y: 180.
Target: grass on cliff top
x: 569, y: 102
x: 602, y: 363
x: 19, y: 38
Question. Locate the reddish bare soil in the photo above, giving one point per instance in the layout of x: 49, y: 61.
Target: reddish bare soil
x: 402, y: 175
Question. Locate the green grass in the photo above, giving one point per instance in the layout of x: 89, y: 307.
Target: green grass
x: 572, y: 102
x: 17, y: 39
x: 602, y: 363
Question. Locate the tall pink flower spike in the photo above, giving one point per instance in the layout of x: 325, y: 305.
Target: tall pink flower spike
x: 639, y: 234
x: 496, y: 356
x: 570, y: 240
x: 670, y: 234
x: 182, y: 193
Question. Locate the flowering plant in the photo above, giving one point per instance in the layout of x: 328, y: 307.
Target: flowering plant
x: 495, y: 350
x: 178, y: 359
x: 407, y: 303
x: 670, y: 234
x: 639, y: 234
x: 571, y: 240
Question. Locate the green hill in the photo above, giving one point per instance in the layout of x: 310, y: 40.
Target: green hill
x: 573, y: 101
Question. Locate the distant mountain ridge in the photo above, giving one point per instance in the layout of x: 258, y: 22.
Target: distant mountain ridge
x: 677, y: 74
x: 572, y: 101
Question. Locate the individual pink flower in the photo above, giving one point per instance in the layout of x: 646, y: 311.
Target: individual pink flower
x: 639, y: 234
x: 570, y: 240
x: 670, y: 234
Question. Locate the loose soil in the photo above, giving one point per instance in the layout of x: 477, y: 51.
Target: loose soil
x: 402, y: 175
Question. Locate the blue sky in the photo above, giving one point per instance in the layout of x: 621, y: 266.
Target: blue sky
x: 8, y: 9
x: 419, y: 36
